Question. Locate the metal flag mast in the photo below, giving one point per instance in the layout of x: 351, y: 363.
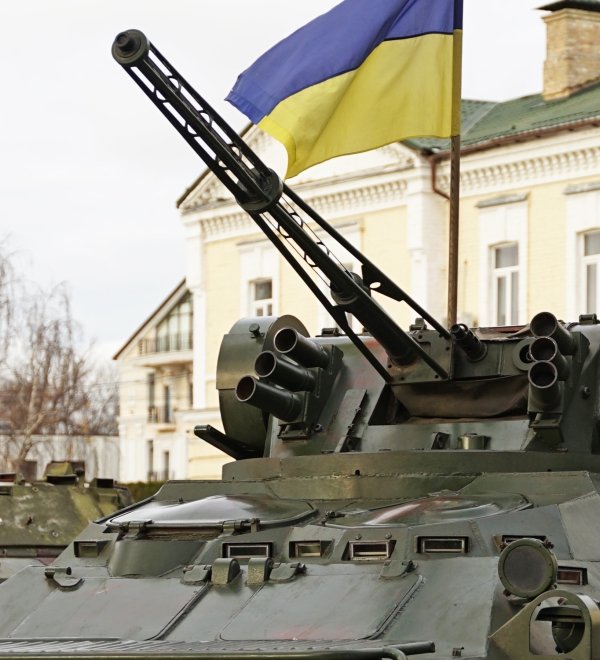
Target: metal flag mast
x: 453, y: 229
x: 453, y: 226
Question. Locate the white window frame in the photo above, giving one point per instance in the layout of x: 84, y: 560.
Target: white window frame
x: 260, y: 306
x: 500, y: 225
x: 504, y: 273
x: 258, y: 261
x: 583, y: 216
x: 586, y: 262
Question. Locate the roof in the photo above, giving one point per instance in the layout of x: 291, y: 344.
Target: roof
x: 586, y: 5
x: 170, y: 300
x: 486, y: 123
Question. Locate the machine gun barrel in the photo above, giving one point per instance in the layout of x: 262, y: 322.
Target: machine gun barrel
x: 274, y: 208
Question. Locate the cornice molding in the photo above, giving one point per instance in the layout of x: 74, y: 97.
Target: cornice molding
x: 226, y: 219
x: 517, y: 170
x: 491, y: 172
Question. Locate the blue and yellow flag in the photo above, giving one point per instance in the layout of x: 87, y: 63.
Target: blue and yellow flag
x: 367, y: 73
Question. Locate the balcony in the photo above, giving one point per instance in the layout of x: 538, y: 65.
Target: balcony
x: 167, y: 344
x: 161, y: 416
x: 170, y: 349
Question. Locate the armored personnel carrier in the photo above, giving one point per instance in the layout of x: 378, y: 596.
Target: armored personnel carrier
x: 393, y: 493
x: 39, y: 518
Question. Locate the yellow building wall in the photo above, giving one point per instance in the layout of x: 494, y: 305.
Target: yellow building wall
x: 546, y: 241
x: 468, y: 263
x: 222, y: 277
x: 384, y: 241
x: 204, y: 461
x: 295, y: 298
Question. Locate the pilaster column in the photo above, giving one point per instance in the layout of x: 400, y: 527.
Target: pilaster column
x: 427, y: 242
x: 195, y: 280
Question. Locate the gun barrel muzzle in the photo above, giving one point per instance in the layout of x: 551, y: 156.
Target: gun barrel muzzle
x: 284, y: 373
x: 545, y: 324
x: 545, y: 349
x: 544, y: 388
x: 465, y: 338
x: 129, y: 47
x: 292, y: 344
x: 282, y: 404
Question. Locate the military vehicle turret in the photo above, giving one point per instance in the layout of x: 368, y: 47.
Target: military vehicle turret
x: 39, y: 518
x: 431, y: 491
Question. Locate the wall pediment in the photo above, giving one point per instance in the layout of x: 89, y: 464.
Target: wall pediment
x: 210, y: 192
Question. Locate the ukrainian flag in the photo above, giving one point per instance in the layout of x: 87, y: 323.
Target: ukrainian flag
x: 367, y: 73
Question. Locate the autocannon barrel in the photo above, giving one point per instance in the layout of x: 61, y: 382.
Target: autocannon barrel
x: 401, y: 349
x: 276, y: 209
x: 544, y: 388
x: 471, y: 345
x: 284, y: 373
x: 282, y: 404
x: 291, y: 343
x: 545, y: 324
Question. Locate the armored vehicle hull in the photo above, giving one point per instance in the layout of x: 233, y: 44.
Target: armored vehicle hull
x: 394, y: 547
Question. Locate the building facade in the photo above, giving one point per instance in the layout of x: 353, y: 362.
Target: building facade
x: 156, y: 397
x: 529, y: 229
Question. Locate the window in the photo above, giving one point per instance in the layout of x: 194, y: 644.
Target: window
x: 167, y: 404
x: 150, y: 455
x: 505, y: 284
x: 166, y: 465
x: 503, y: 249
x: 259, y: 279
x: 591, y: 271
x: 261, y: 297
x: 152, y: 413
x: 173, y: 333
x: 582, y: 249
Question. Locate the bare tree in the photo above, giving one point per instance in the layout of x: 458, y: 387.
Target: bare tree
x: 8, y: 281
x: 48, y: 385
x: 99, y: 416
x: 45, y: 371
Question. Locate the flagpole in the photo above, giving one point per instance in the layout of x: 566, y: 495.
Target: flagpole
x: 455, y: 164
x: 453, y: 228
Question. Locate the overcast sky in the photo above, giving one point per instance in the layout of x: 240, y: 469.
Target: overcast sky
x: 90, y: 171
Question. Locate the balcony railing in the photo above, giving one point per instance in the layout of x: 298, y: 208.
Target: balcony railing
x: 177, y: 342
x: 159, y: 415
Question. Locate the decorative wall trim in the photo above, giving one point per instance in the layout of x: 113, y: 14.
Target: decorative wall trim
x: 231, y: 221
x: 502, y: 199
x: 582, y: 188
x: 510, y: 171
